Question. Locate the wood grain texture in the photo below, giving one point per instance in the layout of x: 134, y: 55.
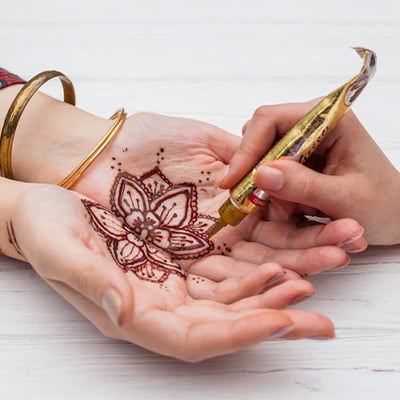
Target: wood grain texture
x: 215, y: 61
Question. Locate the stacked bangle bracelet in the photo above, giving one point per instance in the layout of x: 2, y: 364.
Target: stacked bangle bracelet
x: 17, y: 108
x: 70, y: 180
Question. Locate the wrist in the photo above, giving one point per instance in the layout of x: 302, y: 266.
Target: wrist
x: 51, y: 138
x: 8, y: 204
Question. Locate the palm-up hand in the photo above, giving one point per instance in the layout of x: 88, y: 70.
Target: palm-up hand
x: 160, y: 176
x: 153, y: 304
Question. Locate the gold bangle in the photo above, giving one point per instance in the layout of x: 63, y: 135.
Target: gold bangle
x: 17, y: 108
x: 69, y: 181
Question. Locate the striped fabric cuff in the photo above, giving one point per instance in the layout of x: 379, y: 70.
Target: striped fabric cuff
x: 8, y: 79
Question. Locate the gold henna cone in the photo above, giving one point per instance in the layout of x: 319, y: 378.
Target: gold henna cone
x: 298, y: 143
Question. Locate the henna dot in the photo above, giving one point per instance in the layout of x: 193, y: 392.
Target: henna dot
x: 158, y: 154
x: 112, y: 167
x: 199, y: 180
x: 162, y: 158
x: 208, y: 173
x: 202, y: 172
x: 162, y: 150
x: 113, y: 158
x: 208, y: 179
x: 119, y: 169
x: 119, y: 163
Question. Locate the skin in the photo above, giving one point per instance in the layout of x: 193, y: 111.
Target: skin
x: 182, y: 319
x: 226, y: 307
x: 354, y: 171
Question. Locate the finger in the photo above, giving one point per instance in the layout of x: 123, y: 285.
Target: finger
x: 214, y: 338
x: 303, y: 261
x: 292, y: 181
x: 266, y: 123
x: 287, y: 236
x: 310, y: 325
x: 357, y: 245
x: 232, y: 289
x: 279, y: 297
x: 223, y: 144
x: 259, y: 136
x: 218, y: 268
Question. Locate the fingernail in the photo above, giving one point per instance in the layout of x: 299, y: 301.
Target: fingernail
x: 300, y: 298
x: 353, y: 239
x: 273, y: 281
x: 320, y: 338
x: 272, y: 178
x: 356, y: 250
x: 280, y: 333
x: 112, y: 305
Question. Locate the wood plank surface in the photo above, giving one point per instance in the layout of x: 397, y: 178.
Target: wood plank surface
x: 215, y: 61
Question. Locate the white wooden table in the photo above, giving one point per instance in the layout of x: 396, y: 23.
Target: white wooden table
x: 215, y: 61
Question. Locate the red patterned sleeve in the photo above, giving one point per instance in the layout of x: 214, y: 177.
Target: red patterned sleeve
x: 8, y: 79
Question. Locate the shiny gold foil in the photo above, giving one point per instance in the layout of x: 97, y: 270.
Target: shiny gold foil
x: 298, y: 143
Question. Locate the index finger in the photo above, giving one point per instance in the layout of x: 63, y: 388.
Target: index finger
x: 267, y: 123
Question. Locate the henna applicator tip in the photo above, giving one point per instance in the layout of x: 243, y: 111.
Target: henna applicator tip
x: 217, y: 227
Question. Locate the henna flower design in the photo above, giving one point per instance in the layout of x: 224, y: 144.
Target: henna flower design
x: 162, y: 213
x: 130, y: 252
x: 151, y: 223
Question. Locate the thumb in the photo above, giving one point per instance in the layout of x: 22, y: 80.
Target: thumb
x: 292, y: 181
x: 90, y: 275
x: 53, y: 232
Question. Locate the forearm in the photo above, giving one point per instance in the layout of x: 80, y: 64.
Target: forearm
x: 52, y: 137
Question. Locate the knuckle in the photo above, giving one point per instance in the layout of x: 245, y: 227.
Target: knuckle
x: 261, y: 112
x: 291, y: 238
x: 307, y: 188
x: 84, y: 278
x: 273, y: 267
